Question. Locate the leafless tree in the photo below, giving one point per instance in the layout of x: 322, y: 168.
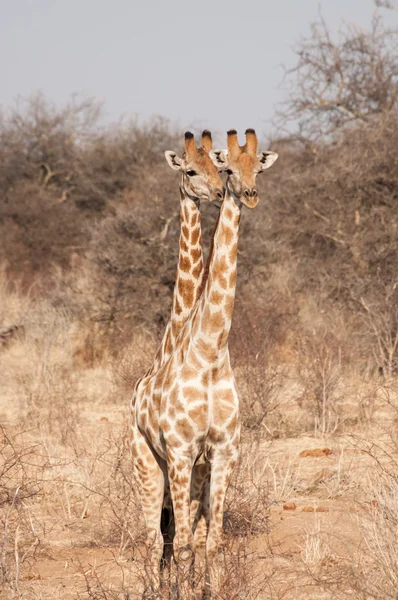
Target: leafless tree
x: 338, y: 81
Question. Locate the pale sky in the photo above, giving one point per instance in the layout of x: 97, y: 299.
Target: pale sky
x: 208, y: 63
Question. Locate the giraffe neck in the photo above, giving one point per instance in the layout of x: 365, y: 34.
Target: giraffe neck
x: 190, y: 265
x: 189, y: 276
x: 212, y: 320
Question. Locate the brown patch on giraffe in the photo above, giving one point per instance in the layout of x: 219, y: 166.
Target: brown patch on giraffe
x: 213, y: 321
x: 175, y: 329
x: 186, y: 289
x: 216, y: 297
x: 195, y: 236
x: 172, y: 440
x: 194, y: 218
x: 192, y: 394
x: 171, y: 412
x: 178, y: 505
x: 217, y: 435
x: 152, y: 417
x: 205, y: 379
x: 223, y: 282
x: 199, y: 415
x: 229, y: 305
x: 185, y: 232
x: 186, y: 214
x: 222, y: 413
x: 232, y: 279
x: 173, y: 396
x: 188, y: 373
x: 197, y: 270
x: 228, y: 214
x: 227, y: 235
x: 222, y: 339
x: 182, y: 480
x: 196, y: 253
x: 177, y: 310
x: 184, y: 246
x: 165, y: 426
x: 207, y: 351
x: 232, y: 425
x: 180, y: 407
x: 185, y: 264
x: 233, y: 253
x: 193, y: 361
x: 226, y: 396
x: 219, y: 267
x: 169, y: 379
x: 184, y: 429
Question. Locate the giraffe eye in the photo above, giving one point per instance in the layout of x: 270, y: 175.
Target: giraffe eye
x: 191, y: 173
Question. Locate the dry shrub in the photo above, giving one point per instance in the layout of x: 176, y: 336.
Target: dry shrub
x: 21, y: 465
x: 247, y: 501
x: 322, y: 375
x: 339, y: 81
x: 376, y: 571
x: 61, y: 172
x: 256, y: 338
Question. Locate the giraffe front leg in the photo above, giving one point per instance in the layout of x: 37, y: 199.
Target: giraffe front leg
x: 179, y: 472
x: 200, y: 486
x: 150, y: 481
x: 222, y: 465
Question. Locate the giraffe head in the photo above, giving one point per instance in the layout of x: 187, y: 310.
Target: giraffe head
x: 200, y: 179
x: 243, y: 164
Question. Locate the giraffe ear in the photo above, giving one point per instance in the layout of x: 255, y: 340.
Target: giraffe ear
x: 219, y: 158
x: 267, y: 159
x: 174, y: 161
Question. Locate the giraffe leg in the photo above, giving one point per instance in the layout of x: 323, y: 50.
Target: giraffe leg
x: 199, y: 503
x: 167, y: 526
x: 200, y: 518
x: 222, y: 465
x: 150, y: 480
x: 179, y: 471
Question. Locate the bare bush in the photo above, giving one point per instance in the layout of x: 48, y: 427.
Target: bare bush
x: 321, y: 373
x: 61, y: 171
x: 340, y: 82
x: 20, y: 468
x: 381, y: 318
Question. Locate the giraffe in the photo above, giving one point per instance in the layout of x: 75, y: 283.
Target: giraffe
x: 200, y: 181
x: 187, y: 414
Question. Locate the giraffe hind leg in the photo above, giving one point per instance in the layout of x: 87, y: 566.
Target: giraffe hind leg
x: 150, y: 482
x: 168, y: 530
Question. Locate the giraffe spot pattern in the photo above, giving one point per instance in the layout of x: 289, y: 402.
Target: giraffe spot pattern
x: 195, y: 233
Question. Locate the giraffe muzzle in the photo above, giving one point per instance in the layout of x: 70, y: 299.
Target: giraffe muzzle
x: 250, y: 197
